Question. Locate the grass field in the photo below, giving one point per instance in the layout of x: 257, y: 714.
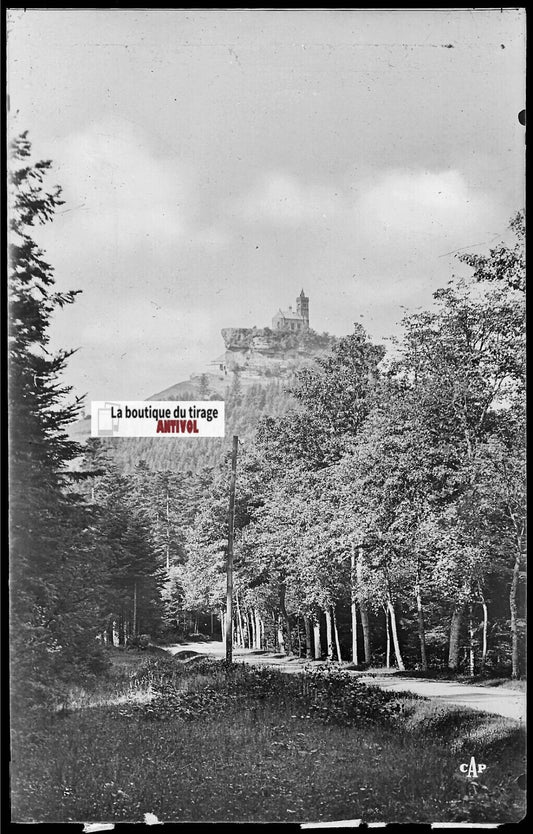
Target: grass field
x: 190, y: 742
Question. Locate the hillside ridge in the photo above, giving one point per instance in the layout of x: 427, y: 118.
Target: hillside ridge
x: 252, y: 376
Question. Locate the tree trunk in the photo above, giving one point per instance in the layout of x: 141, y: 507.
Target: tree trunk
x: 288, y: 629
x: 316, y: 634
x: 281, y: 642
x: 246, y: 627
x: 336, y: 632
x: 395, y: 641
x: 392, y: 617
x: 329, y: 633
x: 387, y: 631
x: 485, y: 632
x: 353, y: 608
x: 298, y: 635
x: 471, y: 656
x: 135, y: 608
x: 251, y: 630
x: 110, y: 636
x: 308, y: 639
x: 285, y: 618
x: 421, y: 625
x: 363, y: 609
x: 121, y: 634
x: 455, y: 635
x: 240, y: 630
x: 222, y: 623
x: 365, y: 623
x: 513, y: 607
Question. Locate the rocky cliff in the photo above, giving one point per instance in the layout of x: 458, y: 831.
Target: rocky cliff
x: 262, y: 352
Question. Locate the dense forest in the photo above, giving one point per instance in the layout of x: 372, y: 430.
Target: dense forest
x: 380, y: 507
x: 244, y: 407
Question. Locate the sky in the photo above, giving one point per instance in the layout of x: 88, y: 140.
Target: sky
x: 215, y: 162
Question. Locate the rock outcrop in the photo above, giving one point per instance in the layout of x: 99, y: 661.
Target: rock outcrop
x: 262, y: 352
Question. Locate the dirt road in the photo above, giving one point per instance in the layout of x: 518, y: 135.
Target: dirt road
x: 497, y: 700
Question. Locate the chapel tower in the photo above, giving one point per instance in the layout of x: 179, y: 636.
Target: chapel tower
x: 302, y: 307
x: 294, y: 320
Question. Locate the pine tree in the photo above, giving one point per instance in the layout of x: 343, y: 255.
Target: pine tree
x: 50, y: 593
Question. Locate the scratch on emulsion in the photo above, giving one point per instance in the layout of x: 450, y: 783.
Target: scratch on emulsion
x: 465, y: 825
x: 332, y: 824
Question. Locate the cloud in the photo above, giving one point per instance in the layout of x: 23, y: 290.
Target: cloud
x: 117, y: 190
x: 423, y: 212
x: 144, y: 321
x: 122, y: 196
x: 131, y: 220
x: 280, y: 198
x: 403, y: 213
x: 374, y: 240
x: 150, y: 345
x: 368, y: 243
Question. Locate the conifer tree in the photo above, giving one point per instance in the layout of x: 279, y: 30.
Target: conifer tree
x: 49, y: 544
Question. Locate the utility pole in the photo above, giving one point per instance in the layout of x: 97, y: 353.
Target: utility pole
x: 168, y: 535
x: 135, y: 607
x: 229, y: 567
x: 353, y: 607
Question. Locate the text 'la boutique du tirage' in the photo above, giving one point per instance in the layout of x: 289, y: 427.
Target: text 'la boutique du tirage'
x: 156, y: 419
x: 148, y: 411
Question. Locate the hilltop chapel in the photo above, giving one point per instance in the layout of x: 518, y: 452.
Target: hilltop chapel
x: 290, y: 319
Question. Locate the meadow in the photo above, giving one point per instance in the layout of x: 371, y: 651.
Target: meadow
x: 196, y: 741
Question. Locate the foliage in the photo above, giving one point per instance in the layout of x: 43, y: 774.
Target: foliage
x: 334, y: 399
x: 54, y: 578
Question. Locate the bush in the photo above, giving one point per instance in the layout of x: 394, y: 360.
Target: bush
x: 204, y: 686
x: 339, y: 698
x: 139, y: 641
x: 167, y: 633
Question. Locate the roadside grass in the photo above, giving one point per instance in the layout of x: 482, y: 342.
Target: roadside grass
x: 503, y: 679
x: 254, y: 744
x: 463, y: 731
x: 120, y: 685
x: 519, y: 685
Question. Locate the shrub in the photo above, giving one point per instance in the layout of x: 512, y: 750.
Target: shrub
x: 139, y: 641
x: 339, y: 698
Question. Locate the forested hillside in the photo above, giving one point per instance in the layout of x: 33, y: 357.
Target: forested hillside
x: 262, y: 390
x: 243, y: 408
